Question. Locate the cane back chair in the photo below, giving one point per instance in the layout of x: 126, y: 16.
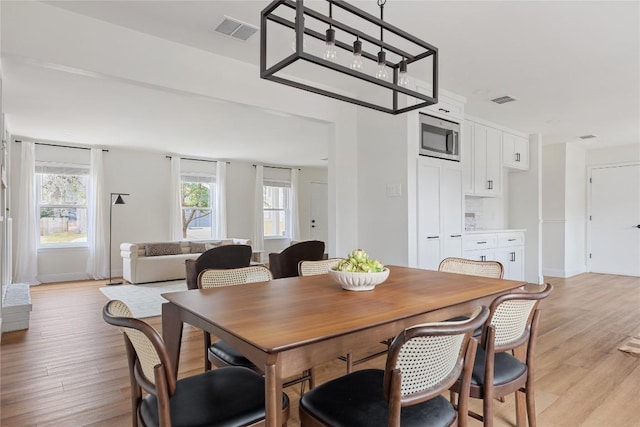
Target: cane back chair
x: 231, y: 396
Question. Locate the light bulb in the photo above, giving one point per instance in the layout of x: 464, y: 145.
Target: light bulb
x: 402, y: 74
x: 357, y: 64
x: 330, y: 52
x: 381, y: 71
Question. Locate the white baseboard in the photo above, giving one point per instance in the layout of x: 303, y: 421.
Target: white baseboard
x: 556, y: 272
x: 62, y: 277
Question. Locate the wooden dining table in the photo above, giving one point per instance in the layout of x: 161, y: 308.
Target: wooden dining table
x: 292, y: 324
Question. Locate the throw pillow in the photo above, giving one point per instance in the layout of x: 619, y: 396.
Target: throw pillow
x: 158, y: 249
x: 211, y: 245
x: 197, y: 248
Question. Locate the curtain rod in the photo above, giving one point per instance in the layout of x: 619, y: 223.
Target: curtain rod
x: 197, y: 160
x: 61, y: 146
x: 276, y: 167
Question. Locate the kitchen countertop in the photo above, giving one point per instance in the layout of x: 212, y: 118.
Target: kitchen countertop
x: 500, y: 230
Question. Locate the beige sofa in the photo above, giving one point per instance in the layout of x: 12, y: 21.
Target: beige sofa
x: 161, y: 261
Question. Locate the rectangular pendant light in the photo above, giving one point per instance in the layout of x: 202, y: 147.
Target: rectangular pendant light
x: 404, y: 53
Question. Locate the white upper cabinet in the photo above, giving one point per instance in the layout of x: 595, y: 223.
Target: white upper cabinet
x: 515, y: 151
x: 482, y: 160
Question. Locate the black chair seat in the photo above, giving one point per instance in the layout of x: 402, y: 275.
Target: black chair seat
x: 357, y: 400
x: 506, y: 368
x: 229, y: 355
x: 226, y: 397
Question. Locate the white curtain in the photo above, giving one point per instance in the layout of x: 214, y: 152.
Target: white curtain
x: 221, y: 200
x: 27, y: 219
x: 175, y: 208
x: 258, y: 215
x: 97, y: 238
x: 294, y: 209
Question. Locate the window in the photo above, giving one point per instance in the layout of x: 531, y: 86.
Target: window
x: 276, y: 209
x: 62, y: 204
x: 198, y: 192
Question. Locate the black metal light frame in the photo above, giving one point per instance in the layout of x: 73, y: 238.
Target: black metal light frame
x: 117, y: 201
x: 268, y: 14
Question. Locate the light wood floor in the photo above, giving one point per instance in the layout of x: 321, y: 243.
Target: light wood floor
x: 69, y: 368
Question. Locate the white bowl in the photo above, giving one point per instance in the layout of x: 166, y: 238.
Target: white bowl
x: 359, y: 281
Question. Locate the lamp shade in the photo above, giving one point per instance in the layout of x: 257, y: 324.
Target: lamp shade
x: 119, y: 200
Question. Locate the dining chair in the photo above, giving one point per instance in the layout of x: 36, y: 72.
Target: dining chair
x: 472, y: 267
x: 285, y: 263
x: 221, y: 354
x: 423, y: 361
x: 492, y: 269
x: 512, y: 325
x: 225, y: 256
x: 232, y: 396
x: 312, y: 268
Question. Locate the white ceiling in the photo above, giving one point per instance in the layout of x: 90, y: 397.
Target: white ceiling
x: 573, y: 67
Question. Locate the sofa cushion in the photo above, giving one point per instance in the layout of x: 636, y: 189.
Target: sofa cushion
x: 197, y: 247
x: 156, y: 249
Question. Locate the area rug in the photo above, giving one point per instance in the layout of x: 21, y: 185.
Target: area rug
x: 144, y: 300
x: 632, y: 346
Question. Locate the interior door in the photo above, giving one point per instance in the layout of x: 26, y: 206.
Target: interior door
x: 319, y: 215
x: 615, y: 220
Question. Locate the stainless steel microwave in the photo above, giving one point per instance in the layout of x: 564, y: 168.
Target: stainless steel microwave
x: 439, y: 138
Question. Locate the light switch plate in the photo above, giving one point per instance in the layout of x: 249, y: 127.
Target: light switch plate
x: 394, y: 190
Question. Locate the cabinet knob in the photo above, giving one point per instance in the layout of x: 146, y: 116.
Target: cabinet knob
x: 481, y: 243
x: 432, y: 237
x: 456, y: 235
x: 483, y: 258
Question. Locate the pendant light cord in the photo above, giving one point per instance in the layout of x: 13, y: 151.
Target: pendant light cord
x: 381, y: 4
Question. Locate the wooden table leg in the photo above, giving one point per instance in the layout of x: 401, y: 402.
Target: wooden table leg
x: 273, y: 395
x: 521, y: 406
x: 172, y: 333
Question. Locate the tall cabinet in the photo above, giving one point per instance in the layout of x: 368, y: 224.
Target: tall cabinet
x: 440, y: 211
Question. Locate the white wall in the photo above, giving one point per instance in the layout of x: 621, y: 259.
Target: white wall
x: 145, y: 216
x: 613, y: 155
x: 553, y: 209
x: 382, y: 161
x: 575, y: 211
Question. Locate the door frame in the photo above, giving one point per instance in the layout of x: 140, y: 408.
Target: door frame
x: 590, y: 169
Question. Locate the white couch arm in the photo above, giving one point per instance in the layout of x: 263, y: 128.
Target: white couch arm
x: 129, y: 250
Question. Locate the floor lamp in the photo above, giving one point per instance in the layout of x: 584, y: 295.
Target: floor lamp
x: 118, y: 201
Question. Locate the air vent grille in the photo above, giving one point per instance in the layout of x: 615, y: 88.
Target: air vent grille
x: 503, y: 99
x: 587, y: 136
x: 233, y: 28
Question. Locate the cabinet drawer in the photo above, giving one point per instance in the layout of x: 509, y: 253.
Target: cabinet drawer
x: 445, y: 110
x: 471, y: 243
x: 510, y: 239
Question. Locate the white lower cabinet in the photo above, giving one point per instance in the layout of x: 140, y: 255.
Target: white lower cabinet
x: 440, y: 211
x: 506, y: 247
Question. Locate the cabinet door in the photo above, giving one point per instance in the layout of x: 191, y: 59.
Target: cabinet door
x: 428, y: 215
x: 515, y: 151
x: 452, y: 210
x: 480, y: 184
x: 481, y: 255
x: 466, y: 156
x: 512, y: 259
x: 494, y: 162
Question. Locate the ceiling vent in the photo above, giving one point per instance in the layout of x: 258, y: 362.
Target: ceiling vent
x: 587, y: 136
x: 238, y: 30
x: 503, y: 99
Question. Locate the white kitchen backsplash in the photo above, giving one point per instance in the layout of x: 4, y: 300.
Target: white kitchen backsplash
x: 483, y: 213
